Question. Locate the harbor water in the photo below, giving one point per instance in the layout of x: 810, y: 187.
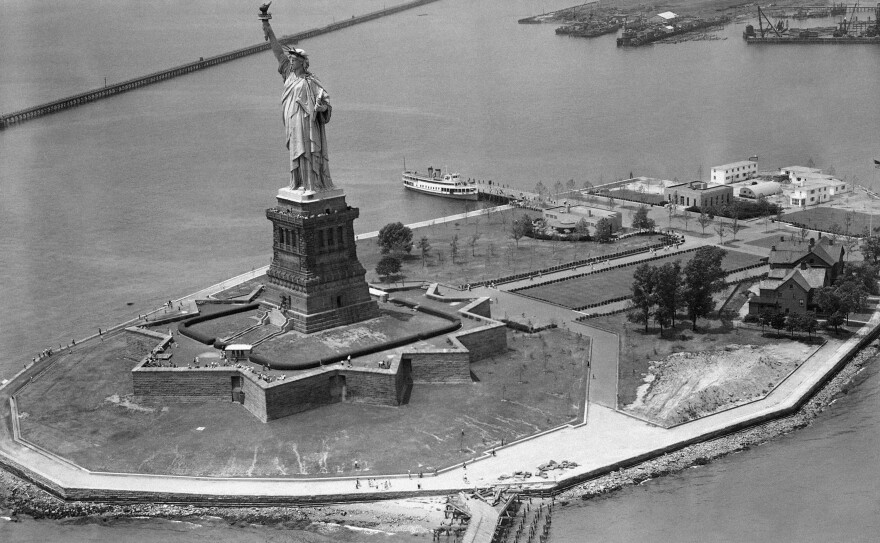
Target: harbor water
x: 110, y: 209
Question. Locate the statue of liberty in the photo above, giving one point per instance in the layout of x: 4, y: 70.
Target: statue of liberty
x: 306, y: 110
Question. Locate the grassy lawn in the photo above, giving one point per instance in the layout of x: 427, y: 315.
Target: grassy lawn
x: 494, y: 255
x: 770, y: 241
x: 598, y: 287
x: 230, y: 324
x: 82, y: 409
x: 825, y: 218
x: 393, y: 323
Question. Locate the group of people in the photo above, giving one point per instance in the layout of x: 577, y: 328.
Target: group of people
x: 153, y: 361
x: 262, y: 375
x: 45, y: 353
x: 289, y: 211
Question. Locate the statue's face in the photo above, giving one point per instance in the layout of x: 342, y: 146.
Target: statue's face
x: 296, y: 62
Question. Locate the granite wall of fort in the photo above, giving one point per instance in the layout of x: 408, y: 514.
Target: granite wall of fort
x: 374, y: 386
x: 484, y: 341
x: 184, y: 384
x: 440, y: 366
x: 284, y: 398
x: 309, y: 389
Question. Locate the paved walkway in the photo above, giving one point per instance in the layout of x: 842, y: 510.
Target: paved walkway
x: 607, y: 440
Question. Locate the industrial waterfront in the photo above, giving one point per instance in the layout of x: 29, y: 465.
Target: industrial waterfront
x: 55, y: 167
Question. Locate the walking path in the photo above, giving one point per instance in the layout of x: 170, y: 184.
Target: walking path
x: 604, y: 441
x: 608, y: 441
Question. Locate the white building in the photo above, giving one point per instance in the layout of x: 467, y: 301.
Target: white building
x: 810, y: 191
x: 795, y: 171
x: 809, y: 186
x: 733, y: 172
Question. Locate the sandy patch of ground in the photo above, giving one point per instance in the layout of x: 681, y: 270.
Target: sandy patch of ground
x: 689, y: 385
x: 127, y: 403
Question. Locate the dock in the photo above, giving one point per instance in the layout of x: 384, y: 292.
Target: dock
x: 776, y: 40
x: 27, y: 114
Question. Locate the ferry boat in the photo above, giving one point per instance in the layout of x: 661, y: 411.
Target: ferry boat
x: 448, y: 185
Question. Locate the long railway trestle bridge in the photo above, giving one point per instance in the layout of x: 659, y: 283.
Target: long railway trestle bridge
x: 23, y: 115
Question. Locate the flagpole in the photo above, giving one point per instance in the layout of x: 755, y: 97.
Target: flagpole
x: 873, y: 187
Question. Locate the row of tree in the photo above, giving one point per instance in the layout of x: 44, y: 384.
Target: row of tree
x: 660, y: 291
x: 794, y: 322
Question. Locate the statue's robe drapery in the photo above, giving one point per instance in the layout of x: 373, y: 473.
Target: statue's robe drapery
x: 306, y: 135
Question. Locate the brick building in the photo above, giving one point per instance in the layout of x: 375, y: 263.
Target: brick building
x: 787, y: 290
x: 815, y: 254
x: 797, y: 270
x: 699, y: 193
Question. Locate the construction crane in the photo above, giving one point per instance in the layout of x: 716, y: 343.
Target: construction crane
x: 762, y: 15
x: 874, y: 32
x: 845, y: 26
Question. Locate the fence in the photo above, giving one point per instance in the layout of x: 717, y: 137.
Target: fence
x: 623, y: 298
x: 668, y: 240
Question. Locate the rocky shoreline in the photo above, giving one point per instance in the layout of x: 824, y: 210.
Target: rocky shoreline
x: 703, y: 453
x: 19, y: 497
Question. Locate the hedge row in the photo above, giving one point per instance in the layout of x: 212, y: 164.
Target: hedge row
x: 584, y: 274
x: 625, y: 309
x: 575, y: 264
x: 802, y: 225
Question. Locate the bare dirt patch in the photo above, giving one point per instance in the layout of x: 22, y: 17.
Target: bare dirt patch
x: 638, y: 348
x: 688, y: 385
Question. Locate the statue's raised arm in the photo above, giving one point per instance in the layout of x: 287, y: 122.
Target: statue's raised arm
x: 269, y: 34
x: 305, y: 111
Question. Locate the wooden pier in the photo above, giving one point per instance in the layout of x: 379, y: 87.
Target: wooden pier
x: 498, y: 194
x: 776, y: 40
x: 23, y: 115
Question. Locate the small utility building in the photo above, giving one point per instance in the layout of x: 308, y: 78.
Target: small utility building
x: 756, y: 189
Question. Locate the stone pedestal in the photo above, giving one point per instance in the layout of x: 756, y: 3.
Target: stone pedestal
x: 315, y: 260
